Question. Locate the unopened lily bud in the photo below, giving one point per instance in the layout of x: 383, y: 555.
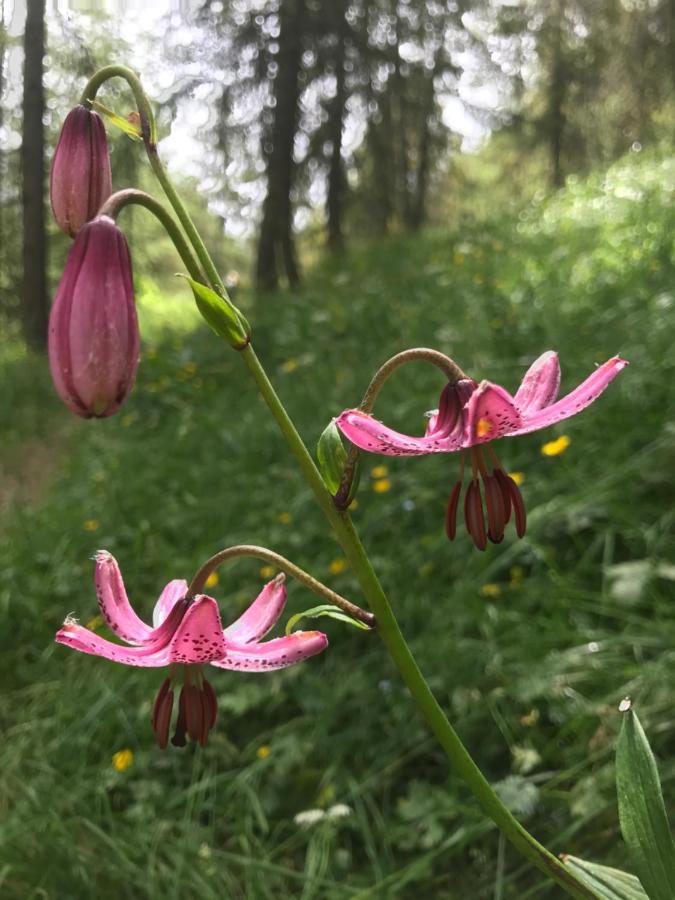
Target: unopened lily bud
x: 80, y: 179
x: 94, y: 342
x: 331, y: 456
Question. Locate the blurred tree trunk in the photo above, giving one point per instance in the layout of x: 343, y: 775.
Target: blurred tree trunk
x: 3, y: 43
x: 556, y: 99
x: 418, y: 211
x: 276, y: 248
x: 337, y: 182
x: 35, y: 308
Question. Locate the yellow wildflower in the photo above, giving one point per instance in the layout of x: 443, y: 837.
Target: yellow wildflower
x: 285, y: 518
x: 289, y: 366
x: 556, y: 447
x: 338, y: 565
x: 91, y: 524
x: 122, y: 760
x: 382, y: 485
x: 517, y: 574
x: 490, y: 590
x: 267, y: 572
x: 263, y: 752
x: 379, y: 472
x: 212, y: 580
x: 518, y: 477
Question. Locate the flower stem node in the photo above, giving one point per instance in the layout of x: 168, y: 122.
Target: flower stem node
x: 94, y: 342
x: 80, y: 179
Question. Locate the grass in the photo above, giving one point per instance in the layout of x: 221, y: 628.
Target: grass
x: 529, y: 646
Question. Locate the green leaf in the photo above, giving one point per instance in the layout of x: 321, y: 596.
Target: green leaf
x: 642, y: 813
x: 219, y: 314
x: 324, y: 610
x: 331, y: 456
x: 129, y: 128
x: 608, y: 883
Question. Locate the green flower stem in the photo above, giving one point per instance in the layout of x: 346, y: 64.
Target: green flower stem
x: 447, y: 365
x: 197, y: 584
x: 149, y: 133
x: 393, y: 639
x: 354, y: 551
x: 148, y: 124
x: 116, y: 203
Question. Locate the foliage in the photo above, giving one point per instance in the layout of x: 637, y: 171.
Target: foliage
x: 528, y: 646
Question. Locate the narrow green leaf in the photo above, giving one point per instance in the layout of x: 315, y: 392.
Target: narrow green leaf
x: 331, y: 456
x: 324, y: 610
x: 220, y: 315
x: 608, y: 883
x: 642, y: 813
x: 130, y: 128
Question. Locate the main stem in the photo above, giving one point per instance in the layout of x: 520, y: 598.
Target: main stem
x: 395, y: 643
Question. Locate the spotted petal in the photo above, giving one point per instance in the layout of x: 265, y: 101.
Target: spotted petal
x: 261, y: 615
x: 172, y: 593
x: 276, y: 654
x: 368, y: 434
x: 199, y: 637
x: 539, y: 386
x: 491, y: 413
x: 114, y: 603
x: 578, y: 399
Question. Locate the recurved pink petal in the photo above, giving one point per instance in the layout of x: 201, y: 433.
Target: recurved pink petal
x: 172, y: 593
x: 113, y: 601
x: 276, y: 654
x: 199, y: 637
x: 539, y: 387
x: 79, y: 638
x: 369, y: 434
x: 261, y: 615
x: 491, y: 414
x: 578, y: 399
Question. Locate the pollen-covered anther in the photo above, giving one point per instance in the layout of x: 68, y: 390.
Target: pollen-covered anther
x: 473, y: 515
x: 161, y: 714
x: 496, y: 510
x: 451, y: 512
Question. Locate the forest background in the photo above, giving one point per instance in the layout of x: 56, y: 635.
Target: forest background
x: 489, y: 178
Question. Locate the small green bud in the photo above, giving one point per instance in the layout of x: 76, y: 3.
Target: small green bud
x: 331, y: 456
x: 220, y: 315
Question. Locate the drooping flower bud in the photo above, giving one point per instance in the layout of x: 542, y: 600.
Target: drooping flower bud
x: 94, y: 342
x: 80, y: 179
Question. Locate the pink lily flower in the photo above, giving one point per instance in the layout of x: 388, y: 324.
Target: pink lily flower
x: 185, y: 634
x: 470, y: 415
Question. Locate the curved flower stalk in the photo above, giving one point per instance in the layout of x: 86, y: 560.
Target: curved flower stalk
x: 470, y: 415
x: 186, y: 634
x: 94, y: 342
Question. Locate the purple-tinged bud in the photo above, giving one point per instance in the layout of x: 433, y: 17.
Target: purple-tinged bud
x: 94, y: 343
x: 80, y: 180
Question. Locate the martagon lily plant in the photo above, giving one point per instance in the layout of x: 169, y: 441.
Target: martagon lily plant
x: 93, y: 348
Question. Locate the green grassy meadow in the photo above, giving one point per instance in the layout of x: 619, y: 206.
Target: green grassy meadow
x: 529, y: 646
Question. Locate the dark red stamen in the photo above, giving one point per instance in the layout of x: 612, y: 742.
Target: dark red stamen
x: 210, y: 705
x: 495, y: 509
x: 161, y: 714
x: 451, y: 512
x: 503, y: 482
x: 194, y: 711
x: 473, y: 514
x: 179, y: 739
